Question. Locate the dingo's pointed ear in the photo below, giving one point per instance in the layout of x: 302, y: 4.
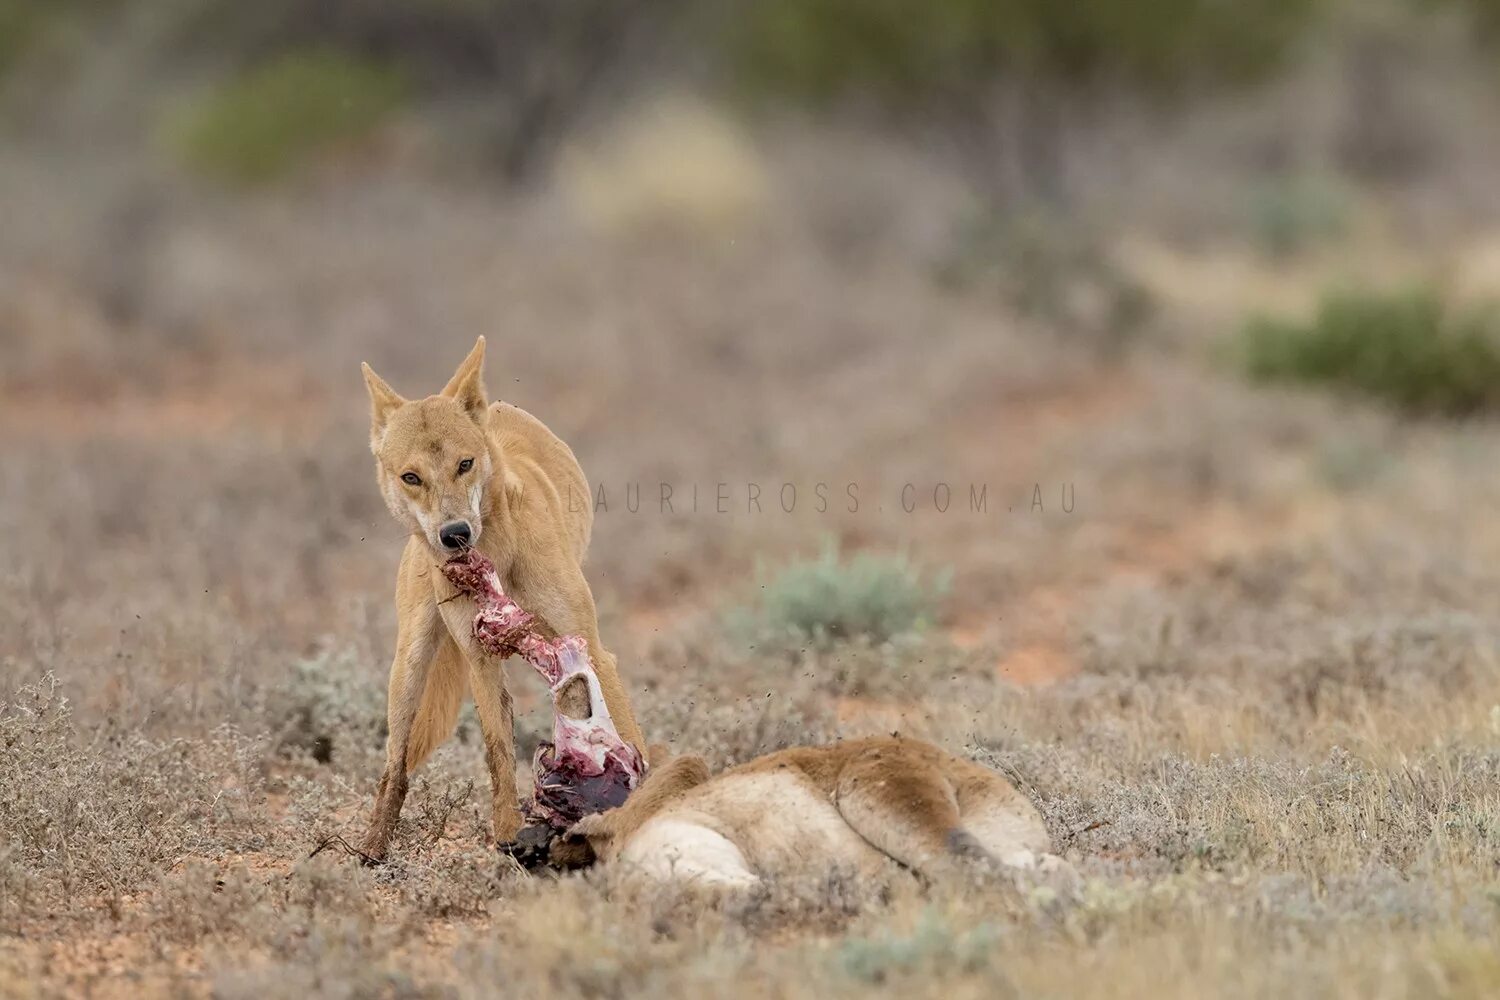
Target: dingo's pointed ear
x: 467, y: 384
x: 383, y: 402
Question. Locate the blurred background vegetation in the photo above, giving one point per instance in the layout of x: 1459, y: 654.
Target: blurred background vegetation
x: 986, y: 75
x: 1071, y: 133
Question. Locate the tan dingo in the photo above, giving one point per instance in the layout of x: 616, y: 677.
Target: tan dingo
x: 459, y: 472
x: 863, y: 805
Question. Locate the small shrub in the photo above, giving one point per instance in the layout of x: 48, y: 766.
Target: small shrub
x: 1290, y: 214
x: 1049, y: 271
x: 934, y: 945
x: 1349, y: 464
x: 1408, y: 349
x: 825, y: 600
x: 260, y: 126
x: 330, y: 705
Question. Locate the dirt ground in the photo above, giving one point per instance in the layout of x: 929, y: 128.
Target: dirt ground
x: 1241, y: 646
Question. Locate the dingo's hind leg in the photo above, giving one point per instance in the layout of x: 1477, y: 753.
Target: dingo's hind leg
x: 441, y: 700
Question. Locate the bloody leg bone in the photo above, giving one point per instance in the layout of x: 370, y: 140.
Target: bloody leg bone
x: 586, y: 768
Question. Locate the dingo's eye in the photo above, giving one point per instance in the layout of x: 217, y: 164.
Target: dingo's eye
x: 465, y: 466
x: 411, y: 479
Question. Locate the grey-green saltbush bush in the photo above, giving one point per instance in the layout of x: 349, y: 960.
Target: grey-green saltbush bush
x: 1289, y: 214
x: 872, y: 596
x: 933, y: 944
x: 330, y: 705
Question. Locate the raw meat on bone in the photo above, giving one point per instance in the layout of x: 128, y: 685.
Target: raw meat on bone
x: 587, y: 768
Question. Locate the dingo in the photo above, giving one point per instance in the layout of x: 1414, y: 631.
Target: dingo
x: 860, y: 805
x: 459, y: 472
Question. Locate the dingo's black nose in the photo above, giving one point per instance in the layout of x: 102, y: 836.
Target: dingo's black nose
x: 455, y: 535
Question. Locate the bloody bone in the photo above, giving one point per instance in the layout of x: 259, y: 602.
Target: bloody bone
x: 586, y: 768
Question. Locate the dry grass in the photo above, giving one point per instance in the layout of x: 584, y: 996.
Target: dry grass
x: 1267, y: 737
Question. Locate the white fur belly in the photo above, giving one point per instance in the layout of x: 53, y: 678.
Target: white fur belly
x: 671, y: 849
x: 739, y: 828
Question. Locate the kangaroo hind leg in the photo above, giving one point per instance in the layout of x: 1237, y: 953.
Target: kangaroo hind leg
x: 1000, y: 820
x: 905, y: 807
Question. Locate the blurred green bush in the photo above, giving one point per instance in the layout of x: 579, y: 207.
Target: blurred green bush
x: 1407, y: 348
x: 528, y: 68
x: 821, y: 48
x: 947, y: 59
x: 258, y: 126
x: 26, y: 25
x: 873, y: 596
x: 1483, y: 15
x: 20, y: 22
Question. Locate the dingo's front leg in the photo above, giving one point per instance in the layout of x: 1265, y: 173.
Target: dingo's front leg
x: 492, y: 701
x: 416, y: 643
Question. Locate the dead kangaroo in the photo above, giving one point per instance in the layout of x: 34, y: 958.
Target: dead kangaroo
x: 860, y: 804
